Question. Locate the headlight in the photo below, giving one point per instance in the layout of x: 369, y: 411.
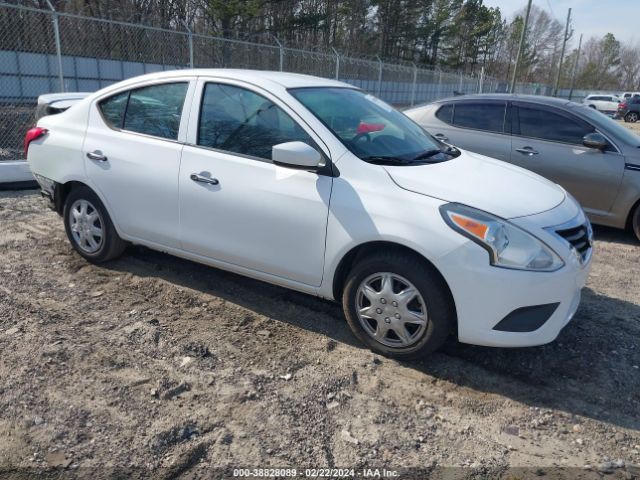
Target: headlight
x: 508, y: 246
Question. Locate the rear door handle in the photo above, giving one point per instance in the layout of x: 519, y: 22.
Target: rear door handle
x: 97, y: 155
x: 441, y: 136
x: 527, y: 151
x: 196, y: 177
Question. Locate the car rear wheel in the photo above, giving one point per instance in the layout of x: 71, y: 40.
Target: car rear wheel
x: 631, y: 117
x: 89, y: 227
x: 398, y: 306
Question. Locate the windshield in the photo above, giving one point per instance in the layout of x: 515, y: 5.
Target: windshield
x: 610, y: 125
x: 371, y: 129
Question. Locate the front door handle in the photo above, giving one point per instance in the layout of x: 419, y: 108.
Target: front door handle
x: 441, y: 136
x: 196, y: 177
x: 527, y: 151
x: 97, y: 155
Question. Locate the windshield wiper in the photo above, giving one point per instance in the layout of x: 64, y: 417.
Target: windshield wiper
x: 384, y: 160
x: 431, y: 153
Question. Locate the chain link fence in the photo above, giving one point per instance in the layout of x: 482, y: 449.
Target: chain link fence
x: 44, y: 51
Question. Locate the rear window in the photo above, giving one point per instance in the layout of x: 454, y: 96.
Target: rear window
x: 155, y: 110
x: 113, y: 109
x: 445, y: 113
x: 480, y: 116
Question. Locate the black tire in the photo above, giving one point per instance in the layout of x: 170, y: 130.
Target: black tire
x: 111, y: 245
x: 631, y: 117
x: 635, y: 222
x: 592, y: 106
x: 440, y: 310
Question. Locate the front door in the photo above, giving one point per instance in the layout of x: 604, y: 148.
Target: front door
x: 549, y: 142
x: 236, y: 206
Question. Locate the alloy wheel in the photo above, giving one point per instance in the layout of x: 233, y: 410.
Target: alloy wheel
x: 391, y: 310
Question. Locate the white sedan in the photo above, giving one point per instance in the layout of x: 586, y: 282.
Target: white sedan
x: 602, y: 103
x: 317, y: 186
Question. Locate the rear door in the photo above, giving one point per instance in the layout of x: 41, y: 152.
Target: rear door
x: 479, y: 126
x: 132, y: 155
x: 548, y: 141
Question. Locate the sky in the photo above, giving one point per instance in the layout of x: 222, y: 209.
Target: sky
x: 589, y: 17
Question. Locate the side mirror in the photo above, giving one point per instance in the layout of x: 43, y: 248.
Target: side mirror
x: 595, y: 140
x: 296, y: 155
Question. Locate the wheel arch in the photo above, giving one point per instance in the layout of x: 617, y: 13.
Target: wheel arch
x: 362, y: 250
x: 634, y: 207
x: 64, y: 189
x: 62, y: 192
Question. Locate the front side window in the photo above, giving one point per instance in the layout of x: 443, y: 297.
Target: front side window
x: 368, y: 127
x: 546, y: 125
x: 238, y: 120
x: 480, y: 116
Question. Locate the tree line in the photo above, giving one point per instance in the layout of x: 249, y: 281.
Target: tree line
x: 460, y: 35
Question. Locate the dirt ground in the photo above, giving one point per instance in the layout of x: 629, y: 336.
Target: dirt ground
x: 158, y: 367
x: 161, y: 364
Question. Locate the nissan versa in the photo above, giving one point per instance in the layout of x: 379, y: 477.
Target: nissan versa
x: 317, y: 186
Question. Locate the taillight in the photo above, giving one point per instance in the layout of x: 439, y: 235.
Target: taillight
x: 622, y: 105
x: 33, y: 134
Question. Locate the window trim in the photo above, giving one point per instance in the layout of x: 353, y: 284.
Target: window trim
x: 186, y: 106
x: 515, y: 122
x: 506, y: 116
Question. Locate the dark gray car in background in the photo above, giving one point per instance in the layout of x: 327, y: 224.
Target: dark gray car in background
x: 593, y: 157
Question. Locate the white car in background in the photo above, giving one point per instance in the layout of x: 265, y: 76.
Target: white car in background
x: 602, y: 103
x: 628, y: 95
x: 317, y: 186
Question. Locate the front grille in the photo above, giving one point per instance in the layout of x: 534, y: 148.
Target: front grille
x: 579, y: 237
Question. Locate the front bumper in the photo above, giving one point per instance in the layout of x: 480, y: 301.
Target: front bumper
x: 485, y: 295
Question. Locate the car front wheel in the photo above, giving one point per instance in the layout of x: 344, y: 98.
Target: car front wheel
x: 635, y: 222
x: 89, y: 227
x: 631, y: 117
x: 398, y: 306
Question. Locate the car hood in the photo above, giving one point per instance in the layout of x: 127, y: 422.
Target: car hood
x: 481, y: 182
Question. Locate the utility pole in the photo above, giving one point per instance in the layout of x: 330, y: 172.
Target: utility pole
x: 522, y: 36
x: 575, y: 68
x: 564, y: 44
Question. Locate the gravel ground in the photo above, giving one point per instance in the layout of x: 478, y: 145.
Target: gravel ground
x: 158, y: 367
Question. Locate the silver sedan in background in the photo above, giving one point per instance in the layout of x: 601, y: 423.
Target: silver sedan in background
x: 593, y: 157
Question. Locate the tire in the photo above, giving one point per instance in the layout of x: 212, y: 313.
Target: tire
x: 631, y: 117
x: 635, y: 222
x: 84, y: 216
x: 593, y: 106
x: 433, y: 303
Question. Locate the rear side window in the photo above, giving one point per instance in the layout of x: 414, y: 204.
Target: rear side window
x: 547, y: 125
x: 480, y: 116
x: 155, y: 110
x: 445, y: 113
x: 113, y: 109
x: 238, y: 120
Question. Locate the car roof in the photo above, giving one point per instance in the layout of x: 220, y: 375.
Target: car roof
x: 539, y: 99
x: 284, y: 79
